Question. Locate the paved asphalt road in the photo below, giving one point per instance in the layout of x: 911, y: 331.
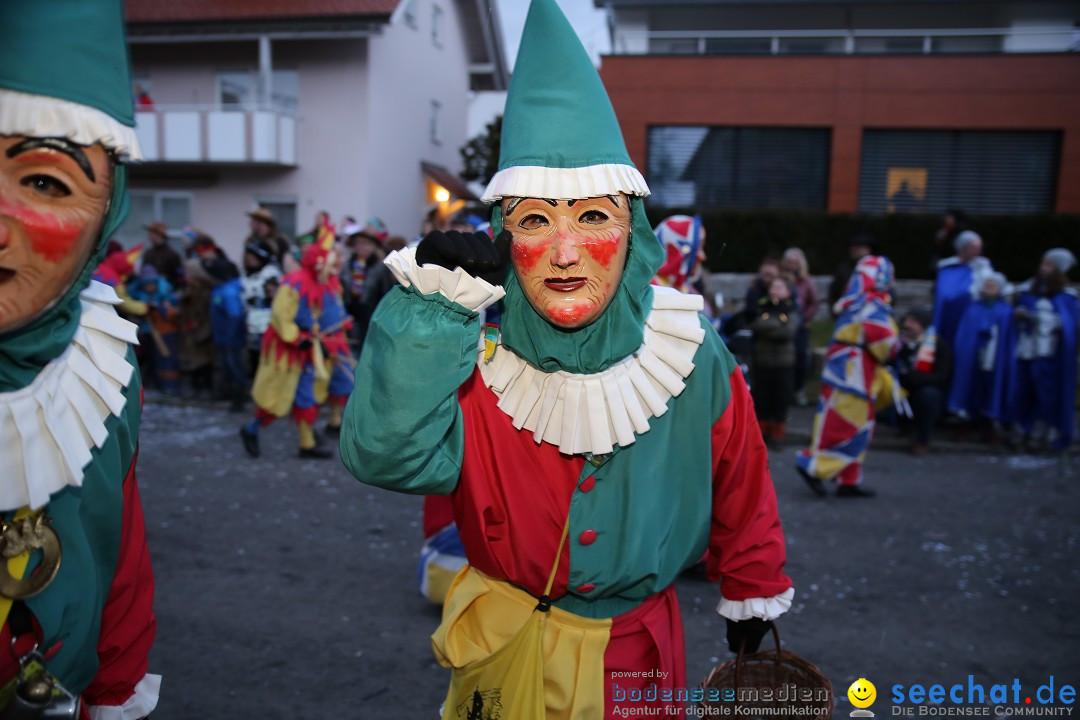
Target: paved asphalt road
x: 285, y: 589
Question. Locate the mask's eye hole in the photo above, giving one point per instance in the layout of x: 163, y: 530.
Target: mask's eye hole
x: 46, y: 185
x: 533, y: 221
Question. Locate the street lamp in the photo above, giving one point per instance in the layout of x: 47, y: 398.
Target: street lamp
x: 442, y: 195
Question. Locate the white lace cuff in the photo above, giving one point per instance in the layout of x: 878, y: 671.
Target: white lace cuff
x: 139, y: 705
x: 458, y: 286
x: 768, y: 608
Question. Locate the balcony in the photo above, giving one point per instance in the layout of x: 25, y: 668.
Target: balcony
x: 863, y: 41
x: 201, y: 135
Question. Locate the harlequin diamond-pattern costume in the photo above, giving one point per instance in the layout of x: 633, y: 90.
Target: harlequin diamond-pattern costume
x: 637, y: 429
x: 306, y: 334
x: 70, y: 392
x: 865, y: 337
x: 681, y: 236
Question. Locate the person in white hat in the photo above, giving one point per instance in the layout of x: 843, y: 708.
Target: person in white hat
x: 1042, y: 387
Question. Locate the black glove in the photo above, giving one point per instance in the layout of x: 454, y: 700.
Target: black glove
x: 474, y: 253
x: 749, y: 632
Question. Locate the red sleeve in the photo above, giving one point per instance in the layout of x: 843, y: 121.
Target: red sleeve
x: 746, y: 544
x: 127, y: 621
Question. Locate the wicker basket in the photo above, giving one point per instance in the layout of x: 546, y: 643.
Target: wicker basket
x: 790, y: 680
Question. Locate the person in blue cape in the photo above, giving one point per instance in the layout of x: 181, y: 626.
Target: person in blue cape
x: 958, y: 281
x: 1042, y: 387
x: 977, y: 392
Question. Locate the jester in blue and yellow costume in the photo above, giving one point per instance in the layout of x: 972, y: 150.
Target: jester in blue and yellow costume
x: 81, y: 592
x: 854, y: 377
x: 603, y: 404
x: 301, y: 348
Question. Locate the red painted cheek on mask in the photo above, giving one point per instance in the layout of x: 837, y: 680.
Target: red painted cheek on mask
x: 601, y: 249
x: 527, y: 255
x: 50, y: 237
x: 570, y: 315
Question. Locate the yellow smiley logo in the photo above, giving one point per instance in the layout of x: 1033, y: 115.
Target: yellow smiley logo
x: 862, y: 693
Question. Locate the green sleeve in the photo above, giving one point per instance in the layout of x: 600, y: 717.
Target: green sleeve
x: 402, y: 428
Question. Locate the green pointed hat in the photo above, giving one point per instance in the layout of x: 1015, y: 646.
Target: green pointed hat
x: 560, y: 138
x: 64, y: 72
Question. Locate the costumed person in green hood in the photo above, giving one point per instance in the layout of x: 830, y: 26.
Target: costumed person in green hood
x: 603, y: 410
x: 76, y: 603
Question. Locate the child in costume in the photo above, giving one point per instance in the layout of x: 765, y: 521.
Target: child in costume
x: 683, y: 240
x: 603, y: 410
x: 294, y: 369
x: 980, y: 375
x: 1042, y: 385
x: 865, y: 337
x: 159, y: 329
x: 79, y: 598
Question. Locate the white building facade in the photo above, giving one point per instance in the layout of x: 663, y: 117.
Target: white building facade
x: 302, y: 113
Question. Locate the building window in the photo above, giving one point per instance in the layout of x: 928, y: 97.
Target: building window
x: 172, y: 208
x: 408, y: 13
x: 994, y: 172
x: 283, y: 208
x: 738, y: 167
x: 436, y: 136
x: 240, y: 91
x: 436, y: 25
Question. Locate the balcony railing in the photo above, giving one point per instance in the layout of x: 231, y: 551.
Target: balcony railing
x: 846, y: 42
x: 201, y: 134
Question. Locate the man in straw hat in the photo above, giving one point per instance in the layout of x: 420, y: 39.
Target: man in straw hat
x: 264, y: 231
x: 69, y: 383
x: 601, y: 403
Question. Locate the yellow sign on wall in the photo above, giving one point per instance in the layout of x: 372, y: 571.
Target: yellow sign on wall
x: 905, y: 189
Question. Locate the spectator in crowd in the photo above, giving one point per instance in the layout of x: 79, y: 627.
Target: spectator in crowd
x: 923, y: 366
x: 980, y: 372
x: 808, y: 301
x: 859, y: 246
x: 159, y: 330
x: 264, y: 230
x: 775, y: 323
x: 365, y: 254
x: 1042, y: 392
x: 380, y: 281
x: 259, y: 269
x: 160, y: 256
x: 196, y: 336
x: 953, y: 223
x: 227, y: 322
x: 959, y: 279
x: 865, y: 337
x: 768, y: 270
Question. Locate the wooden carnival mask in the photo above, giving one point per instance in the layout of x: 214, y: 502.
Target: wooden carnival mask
x: 569, y: 255
x: 54, y: 195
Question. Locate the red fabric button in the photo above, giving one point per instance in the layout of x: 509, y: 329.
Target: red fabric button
x: 587, y: 587
x: 588, y: 537
x: 588, y: 484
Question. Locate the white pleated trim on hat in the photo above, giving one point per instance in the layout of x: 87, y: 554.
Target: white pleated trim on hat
x: 48, y: 428
x: 593, y: 413
x: 43, y: 116
x: 139, y: 705
x: 768, y: 608
x: 533, y: 181
x: 470, y: 292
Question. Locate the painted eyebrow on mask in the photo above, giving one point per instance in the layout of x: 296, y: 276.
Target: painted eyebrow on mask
x: 60, y: 144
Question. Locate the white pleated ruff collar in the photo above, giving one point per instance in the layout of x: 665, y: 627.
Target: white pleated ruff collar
x: 594, y: 413
x: 48, y: 428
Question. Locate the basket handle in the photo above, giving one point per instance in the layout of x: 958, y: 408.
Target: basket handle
x: 742, y: 651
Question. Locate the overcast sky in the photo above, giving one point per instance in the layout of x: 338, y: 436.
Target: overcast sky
x: 589, y: 22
